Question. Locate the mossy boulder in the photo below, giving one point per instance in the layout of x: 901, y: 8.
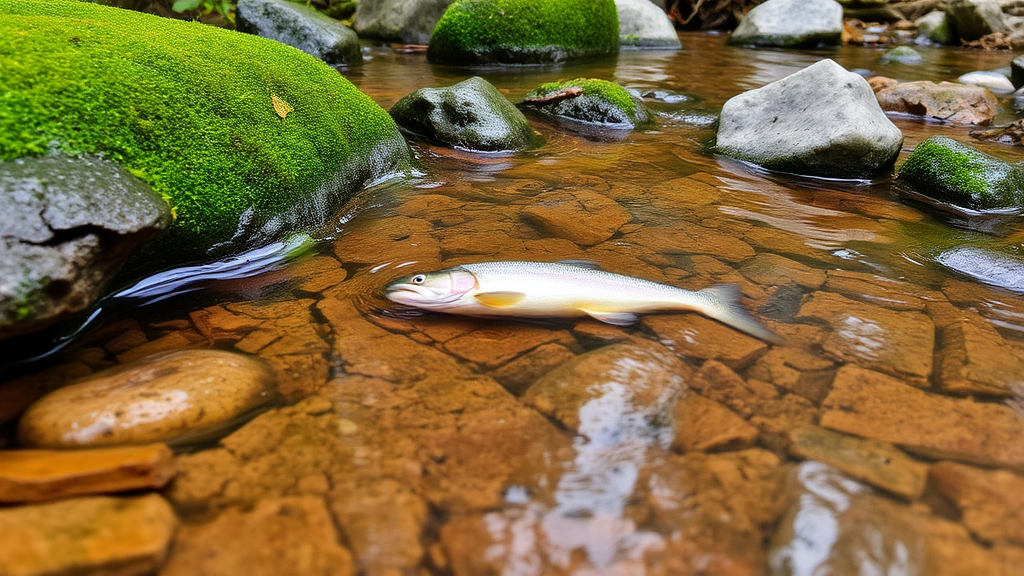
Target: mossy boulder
x: 471, y: 114
x: 246, y: 138
x: 948, y: 171
x: 524, y: 31
x: 590, y: 101
x: 936, y: 27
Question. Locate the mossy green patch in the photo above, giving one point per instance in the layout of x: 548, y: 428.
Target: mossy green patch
x: 524, y: 31
x: 597, y: 102
x: 243, y: 136
x: 949, y: 171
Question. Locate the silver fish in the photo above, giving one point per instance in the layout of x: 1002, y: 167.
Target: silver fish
x: 565, y: 289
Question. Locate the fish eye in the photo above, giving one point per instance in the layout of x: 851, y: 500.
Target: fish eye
x: 419, y: 279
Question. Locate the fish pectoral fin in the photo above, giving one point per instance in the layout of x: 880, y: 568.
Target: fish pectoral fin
x: 499, y: 299
x: 616, y: 318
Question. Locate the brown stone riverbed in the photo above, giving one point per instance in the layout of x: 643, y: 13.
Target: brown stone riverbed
x: 886, y: 436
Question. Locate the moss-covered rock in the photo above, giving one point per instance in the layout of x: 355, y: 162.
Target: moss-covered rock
x: 949, y: 171
x: 471, y: 114
x: 901, y: 55
x: 524, y: 31
x: 590, y: 101
x: 244, y: 137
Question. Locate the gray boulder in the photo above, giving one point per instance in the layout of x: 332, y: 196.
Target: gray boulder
x: 791, y: 23
x: 68, y: 225
x: 935, y: 26
x: 407, y: 21
x: 973, y: 19
x: 471, y: 115
x: 300, y: 27
x: 820, y: 121
x: 644, y: 25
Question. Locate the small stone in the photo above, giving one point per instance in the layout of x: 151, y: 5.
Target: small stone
x: 995, y: 81
x: 494, y: 345
x: 703, y: 425
x: 1011, y: 134
x: 955, y: 103
x: 695, y: 336
x: 876, y: 463
x: 873, y: 405
x: 975, y: 359
x: 901, y: 55
x: 772, y: 270
x: 791, y: 23
x: 948, y: 171
x: 586, y: 218
x: 96, y: 535
x: 881, y: 82
x: 796, y: 370
x: 301, y: 27
x: 991, y: 502
x: 173, y: 397
x: 38, y: 475
x: 517, y: 375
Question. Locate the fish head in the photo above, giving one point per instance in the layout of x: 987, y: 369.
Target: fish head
x: 432, y: 290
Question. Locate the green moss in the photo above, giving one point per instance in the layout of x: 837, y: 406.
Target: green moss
x: 190, y: 109
x: 601, y: 102
x: 901, y: 55
x: 946, y: 170
x: 524, y: 31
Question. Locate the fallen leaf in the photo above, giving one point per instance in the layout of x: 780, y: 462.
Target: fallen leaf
x: 281, y: 107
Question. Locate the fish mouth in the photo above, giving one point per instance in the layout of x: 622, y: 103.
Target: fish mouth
x: 419, y: 296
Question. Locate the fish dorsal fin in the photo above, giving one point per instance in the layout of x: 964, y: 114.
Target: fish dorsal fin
x: 616, y: 318
x: 499, y: 299
x: 588, y: 264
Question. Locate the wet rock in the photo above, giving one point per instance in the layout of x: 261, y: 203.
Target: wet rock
x: 694, y: 336
x: 301, y: 27
x: 795, y: 370
x: 687, y: 238
x: 407, y: 21
x: 1011, y: 134
x: 901, y: 343
x: 18, y: 394
x: 176, y: 397
x: 973, y: 19
x: 991, y: 502
x: 397, y: 239
x: 946, y: 170
x: 989, y: 266
x: 820, y: 121
x: 703, y: 425
x: 98, y: 535
x: 38, y: 475
x: 995, y: 81
x: 791, y: 23
x: 292, y: 535
x: 881, y: 82
x: 773, y: 270
x: 950, y: 551
x: 589, y: 101
x: 494, y: 345
x: 642, y: 24
x: 876, y: 463
x: 975, y: 359
x: 936, y: 27
x: 383, y: 522
x: 878, y: 290
x: 873, y: 405
x: 69, y: 224
x: 586, y: 218
x: 621, y: 389
x: 956, y: 103
x: 517, y: 375
x: 471, y: 115
x: 901, y: 55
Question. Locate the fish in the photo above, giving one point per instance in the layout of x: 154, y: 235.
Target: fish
x: 565, y: 289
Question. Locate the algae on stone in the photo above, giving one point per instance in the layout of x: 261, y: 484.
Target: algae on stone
x: 590, y: 101
x: 524, y: 31
x: 949, y: 171
x: 190, y: 109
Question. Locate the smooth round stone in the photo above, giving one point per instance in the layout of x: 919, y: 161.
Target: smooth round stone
x: 172, y: 397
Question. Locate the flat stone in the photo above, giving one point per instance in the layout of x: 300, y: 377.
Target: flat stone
x: 991, y: 502
x: 901, y: 343
x: 586, y: 218
x: 949, y: 550
x: 873, y: 405
x: 395, y: 240
x: 495, y: 344
x: 687, y: 238
x: 878, y: 290
x: 773, y: 270
x: 38, y: 475
x: 695, y: 336
x: 876, y: 463
x: 956, y: 103
x: 703, y: 425
x: 292, y: 535
x: 797, y: 370
x: 517, y: 375
x: 178, y: 396
x: 96, y: 535
x: 975, y: 359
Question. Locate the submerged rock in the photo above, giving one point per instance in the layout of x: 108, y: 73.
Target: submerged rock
x: 408, y: 21
x: 994, y: 80
x: 820, y: 121
x: 948, y: 171
x: 586, y: 218
x: 956, y: 103
x: 991, y: 502
x: 901, y: 55
x: 1012, y: 133
x: 645, y: 25
x: 988, y: 266
x: 976, y: 360
x: 524, y: 31
x: 175, y: 396
x: 68, y: 225
x: 791, y: 23
x: 471, y: 114
x: 301, y: 27
x: 936, y: 27
x: 973, y: 19
x: 590, y: 101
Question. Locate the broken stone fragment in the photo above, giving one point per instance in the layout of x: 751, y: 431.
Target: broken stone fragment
x: 975, y: 359
x: 991, y: 502
x: 703, y: 425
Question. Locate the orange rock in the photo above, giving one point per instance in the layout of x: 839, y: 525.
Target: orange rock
x: 37, y: 475
x: 586, y: 218
x: 956, y: 103
x: 704, y: 425
x: 695, y: 336
x: 520, y: 373
x: 878, y: 290
x: 771, y: 269
x: 991, y: 502
x: 18, y: 394
x: 975, y: 359
x: 881, y: 82
x: 496, y: 343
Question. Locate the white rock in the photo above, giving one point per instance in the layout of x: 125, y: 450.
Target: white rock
x: 820, y: 121
x: 997, y: 82
x: 644, y: 25
x: 791, y: 23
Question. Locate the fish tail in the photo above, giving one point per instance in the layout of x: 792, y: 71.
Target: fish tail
x: 722, y: 303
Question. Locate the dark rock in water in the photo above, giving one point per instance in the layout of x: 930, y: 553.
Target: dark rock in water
x: 407, y: 21
x: 948, y: 101
x: 644, y: 25
x: 666, y: 96
x: 987, y: 266
x: 948, y: 171
x: 1017, y: 71
x: 300, y: 27
x: 820, y: 121
x: 973, y: 19
x: 589, y: 101
x: 68, y: 225
x: 901, y: 55
x: 791, y: 23
x: 1010, y: 134
x: 471, y: 114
